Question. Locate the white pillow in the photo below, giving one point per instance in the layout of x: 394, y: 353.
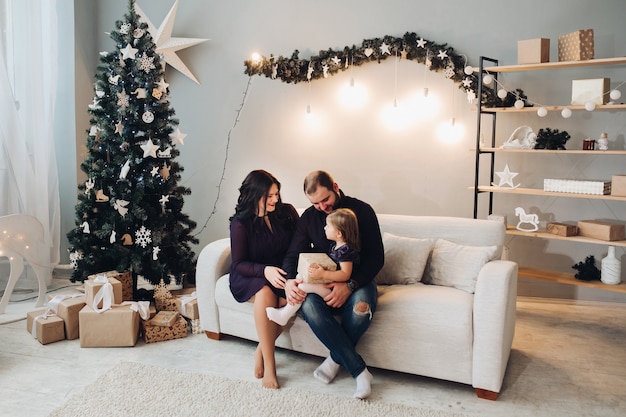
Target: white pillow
x: 405, y: 259
x: 454, y: 265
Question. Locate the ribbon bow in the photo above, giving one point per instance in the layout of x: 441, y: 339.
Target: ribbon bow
x: 44, y: 316
x: 142, y: 307
x: 104, y: 294
x: 186, y: 299
x: 53, y: 304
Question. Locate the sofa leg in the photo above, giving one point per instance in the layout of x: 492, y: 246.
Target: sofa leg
x: 213, y: 335
x: 486, y: 394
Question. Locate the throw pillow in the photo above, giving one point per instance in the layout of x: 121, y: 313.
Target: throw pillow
x: 454, y: 265
x: 405, y: 259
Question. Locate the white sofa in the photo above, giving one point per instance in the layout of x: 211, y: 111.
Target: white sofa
x: 424, y: 329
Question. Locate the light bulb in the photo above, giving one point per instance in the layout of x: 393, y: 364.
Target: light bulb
x: 256, y: 57
x: 502, y: 93
x: 468, y: 70
x: 590, y: 106
x: 519, y: 104
x: 308, y: 109
x: 542, y: 112
x: 615, y: 94
x: 566, y: 113
x: 425, y: 92
x: 487, y: 79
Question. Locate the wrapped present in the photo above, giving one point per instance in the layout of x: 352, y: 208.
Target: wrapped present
x: 164, y: 318
x: 601, y: 230
x: 618, y: 185
x: 183, y: 301
x: 101, y: 292
x: 67, y: 305
x: 126, y: 278
x: 195, y: 326
x: 592, y: 90
x: 153, y: 333
x: 115, y: 327
x: 576, y: 46
x: 45, y: 326
x: 309, y: 259
x: 533, y: 51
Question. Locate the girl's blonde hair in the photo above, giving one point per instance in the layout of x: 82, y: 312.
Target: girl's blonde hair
x: 345, y: 221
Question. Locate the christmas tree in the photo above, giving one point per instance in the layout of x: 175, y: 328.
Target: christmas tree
x: 129, y: 211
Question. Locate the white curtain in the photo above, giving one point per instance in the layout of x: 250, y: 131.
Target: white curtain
x: 28, y: 90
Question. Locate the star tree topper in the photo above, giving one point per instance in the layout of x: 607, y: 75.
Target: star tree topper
x: 166, y: 45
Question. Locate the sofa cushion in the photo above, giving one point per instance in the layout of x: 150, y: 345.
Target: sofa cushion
x: 454, y: 265
x: 405, y: 259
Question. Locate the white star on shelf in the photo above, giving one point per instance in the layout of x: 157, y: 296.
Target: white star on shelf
x: 178, y: 136
x: 166, y: 45
x: 149, y: 149
x: 128, y: 52
x: 506, y: 178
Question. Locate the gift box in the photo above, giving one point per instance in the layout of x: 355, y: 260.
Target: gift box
x: 601, y: 230
x: 618, y: 185
x: 309, y: 259
x: 183, y: 301
x: 153, y: 333
x: 115, y: 327
x: 45, y: 326
x: 594, y: 90
x: 594, y: 187
x: 562, y: 229
x: 92, y: 286
x: 164, y: 318
x: 195, y: 326
x: 533, y: 51
x: 125, y: 278
x: 67, y: 306
x: 576, y: 46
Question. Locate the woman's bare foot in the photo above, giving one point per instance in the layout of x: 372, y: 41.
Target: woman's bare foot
x: 259, y: 368
x: 270, y: 381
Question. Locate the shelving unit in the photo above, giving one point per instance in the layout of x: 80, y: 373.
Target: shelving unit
x: 490, y: 152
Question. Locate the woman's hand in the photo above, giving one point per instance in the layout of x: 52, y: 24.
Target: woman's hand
x: 294, y: 294
x: 275, y: 276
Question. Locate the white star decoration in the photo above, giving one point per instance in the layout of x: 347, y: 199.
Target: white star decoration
x: 384, y: 49
x: 166, y: 45
x: 421, y: 43
x: 178, y: 136
x: 149, y: 149
x: 506, y: 178
x: 128, y: 52
x: 442, y: 54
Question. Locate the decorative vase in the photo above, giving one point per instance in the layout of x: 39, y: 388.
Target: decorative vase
x: 611, y: 268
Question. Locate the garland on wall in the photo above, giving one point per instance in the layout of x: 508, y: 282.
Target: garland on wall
x: 437, y: 57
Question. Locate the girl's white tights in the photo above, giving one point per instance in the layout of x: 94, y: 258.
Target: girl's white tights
x: 283, y: 314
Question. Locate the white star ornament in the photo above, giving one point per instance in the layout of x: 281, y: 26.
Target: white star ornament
x: 149, y: 149
x: 506, y: 178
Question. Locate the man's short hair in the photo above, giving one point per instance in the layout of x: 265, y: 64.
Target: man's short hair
x: 316, y: 179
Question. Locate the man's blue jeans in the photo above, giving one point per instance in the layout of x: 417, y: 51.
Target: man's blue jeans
x: 341, y: 337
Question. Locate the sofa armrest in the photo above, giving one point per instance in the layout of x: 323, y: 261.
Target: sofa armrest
x: 494, y: 323
x: 213, y: 262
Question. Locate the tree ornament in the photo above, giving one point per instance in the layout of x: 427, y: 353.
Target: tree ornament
x: 101, y: 197
x: 114, y: 79
x: 157, y: 93
x: 146, y: 63
x: 142, y: 237
x: 125, y: 169
x: 89, y: 184
x: 127, y: 240
x: 421, y: 43
x: 468, y: 70
x: 167, y: 153
x: 85, y: 227
x: 121, y: 206
x: 442, y: 54
x: 112, y: 237
x: 165, y: 172
x: 178, y: 137
x: 384, y: 49
x: 129, y: 52
x: 147, y: 117
x: 149, y: 149
x: 141, y: 92
x: 125, y: 28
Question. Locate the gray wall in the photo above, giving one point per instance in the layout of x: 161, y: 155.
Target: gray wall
x: 406, y: 172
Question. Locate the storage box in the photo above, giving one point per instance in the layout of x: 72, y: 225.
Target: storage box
x: 533, y: 51
x: 594, y: 90
x: 67, y: 306
x: 153, y: 334
x: 601, y: 230
x: 576, y: 46
x: 47, y: 328
x: 116, y: 327
x: 92, y: 288
x: 308, y: 259
x: 618, y: 185
x: 126, y: 278
x: 594, y: 187
x: 562, y: 229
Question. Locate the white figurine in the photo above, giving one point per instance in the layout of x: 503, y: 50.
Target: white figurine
x: 603, y: 142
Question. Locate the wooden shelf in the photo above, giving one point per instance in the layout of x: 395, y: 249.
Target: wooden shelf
x: 539, y: 192
x: 542, y: 234
x: 553, y: 151
x: 568, y: 278
x: 556, y: 65
x: 600, y: 107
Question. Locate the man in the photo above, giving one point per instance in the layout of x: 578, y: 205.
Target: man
x: 354, y: 300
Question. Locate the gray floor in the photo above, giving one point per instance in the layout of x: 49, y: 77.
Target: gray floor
x: 568, y: 359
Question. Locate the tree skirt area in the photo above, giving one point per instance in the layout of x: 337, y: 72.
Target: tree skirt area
x: 133, y: 389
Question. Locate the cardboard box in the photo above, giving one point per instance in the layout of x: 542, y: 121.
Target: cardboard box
x: 126, y: 278
x: 594, y: 90
x: 47, y: 328
x: 618, y: 185
x: 92, y: 288
x: 533, y: 51
x: 153, y: 334
x: 67, y: 306
x: 116, y: 327
x: 562, y: 229
x: 307, y: 259
x: 576, y: 46
x: 601, y: 230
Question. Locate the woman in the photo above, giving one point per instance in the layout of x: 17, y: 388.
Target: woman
x: 260, y: 232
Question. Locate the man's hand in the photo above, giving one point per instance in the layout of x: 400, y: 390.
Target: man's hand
x: 294, y: 294
x: 339, y: 294
x: 275, y: 276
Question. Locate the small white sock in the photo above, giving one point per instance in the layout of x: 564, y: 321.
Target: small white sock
x: 283, y: 314
x: 363, y: 384
x: 327, y: 371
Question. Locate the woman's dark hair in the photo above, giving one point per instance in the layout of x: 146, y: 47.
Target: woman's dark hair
x: 255, y: 186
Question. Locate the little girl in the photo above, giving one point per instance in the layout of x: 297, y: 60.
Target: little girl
x: 341, y: 227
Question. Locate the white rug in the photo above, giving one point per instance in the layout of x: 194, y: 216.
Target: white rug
x: 133, y: 389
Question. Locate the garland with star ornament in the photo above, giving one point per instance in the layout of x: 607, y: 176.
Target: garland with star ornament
x: 129, y: 211
x: 437, y: 57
